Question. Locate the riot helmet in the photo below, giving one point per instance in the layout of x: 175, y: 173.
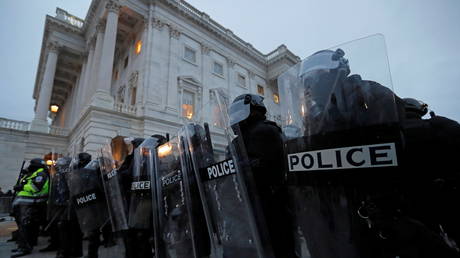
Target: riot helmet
x: 245, y: 105
x: 35, y: 164
x: 63, y: 163
x: 83, y: 159
x: 320, y: 74
x: 414, y: 107
x: 161, y: 139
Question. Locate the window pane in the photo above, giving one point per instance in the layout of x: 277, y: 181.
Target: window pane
x: 260, y: 90
x: 241, y: 80
x: 190, y: 55
x: 187, y: 104
x: 218, y: 69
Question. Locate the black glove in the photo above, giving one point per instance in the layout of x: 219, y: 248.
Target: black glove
x: 18, y: 187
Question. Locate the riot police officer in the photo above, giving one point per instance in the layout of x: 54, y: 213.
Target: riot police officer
x: 29, y: 203
x: 263, y: 141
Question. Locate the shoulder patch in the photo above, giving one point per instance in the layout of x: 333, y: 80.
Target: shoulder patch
x: 38, y: 179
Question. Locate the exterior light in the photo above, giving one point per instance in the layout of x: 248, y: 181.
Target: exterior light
x: 54, y: 108
x: 164, y: 149
x: 49, y: 162
x: 276, y: 98
x: 138, y: 47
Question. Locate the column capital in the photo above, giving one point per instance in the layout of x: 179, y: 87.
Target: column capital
x: 205, y: 49
x: 113, y: 6
x: 53, y: 47
x: 100, y: 27
x: 174, y: 32
x: 251, y: 74
x: 230, y: 62
x: 157, y: 23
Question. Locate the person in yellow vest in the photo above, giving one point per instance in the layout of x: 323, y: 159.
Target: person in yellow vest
x: 32, y: 194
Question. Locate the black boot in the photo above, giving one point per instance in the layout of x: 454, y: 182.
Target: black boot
x: 20, y: 252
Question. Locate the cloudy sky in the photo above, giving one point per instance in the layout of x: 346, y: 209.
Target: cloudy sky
x: 422, y: 36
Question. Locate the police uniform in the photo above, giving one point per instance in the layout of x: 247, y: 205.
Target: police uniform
x: 263, y: 141
x: 30, y: 203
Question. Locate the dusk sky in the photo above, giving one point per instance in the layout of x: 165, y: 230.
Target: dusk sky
x: 422, y: 36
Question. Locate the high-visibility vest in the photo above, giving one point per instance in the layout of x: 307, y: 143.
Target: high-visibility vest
x: 30, y: 193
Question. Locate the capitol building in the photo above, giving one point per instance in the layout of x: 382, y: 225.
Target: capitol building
x: 133, y: 68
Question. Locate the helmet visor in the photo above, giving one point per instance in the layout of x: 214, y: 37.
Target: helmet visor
x: 239, y: 111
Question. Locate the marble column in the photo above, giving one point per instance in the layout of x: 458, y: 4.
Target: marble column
x: 87, y: 79
x: 40, y: 124
x: 172, y: 105
x: 205, y: 69
x: 102, y: 97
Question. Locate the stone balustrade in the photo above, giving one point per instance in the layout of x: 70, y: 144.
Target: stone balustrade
x: 69, y: 18
x: 14, y: 124
x: 58, y: 131
x: 124, y: 108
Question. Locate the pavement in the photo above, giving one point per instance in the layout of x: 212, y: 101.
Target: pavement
x: 8, y: 225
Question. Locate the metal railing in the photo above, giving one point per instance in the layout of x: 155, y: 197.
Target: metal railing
x: 14, y: 124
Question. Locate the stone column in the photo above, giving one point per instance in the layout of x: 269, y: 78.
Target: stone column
x: 97, y: 40
x: 39, y: 124
x: 230, y: 74
x: 172, y: 105
x: 89, y: 74
x: 205, y: 69
x: 102, y: 97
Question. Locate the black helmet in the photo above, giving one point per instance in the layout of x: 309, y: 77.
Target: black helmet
x: 63, y: 163
x: 83, y: 159
x: 243, y: 105
x: 137, y: 141
x: 35, y: 164
x: 415, y: 106
x: 161, y: 139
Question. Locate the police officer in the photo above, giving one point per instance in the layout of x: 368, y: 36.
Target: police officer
x: 30, y: 202
x: 263, y: 140
x: 70, y: 245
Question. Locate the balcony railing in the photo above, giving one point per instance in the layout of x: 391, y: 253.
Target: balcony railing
x: 124, y: 108
x: 69, y: 18
x: 58, y: 131
x: 14, y: 124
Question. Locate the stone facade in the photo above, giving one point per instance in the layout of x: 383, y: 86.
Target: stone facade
x: 137, y: 68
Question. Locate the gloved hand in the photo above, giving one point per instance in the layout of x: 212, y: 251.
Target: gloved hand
x: 18, y: 187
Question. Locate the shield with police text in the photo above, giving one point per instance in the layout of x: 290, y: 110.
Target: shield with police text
x: 87, y: 196
x: 116, y: 202
x: 341, y: 120
x: 140, y: 208
x: 180, y: 228
x: 58, y: 189
x: 222, y: 171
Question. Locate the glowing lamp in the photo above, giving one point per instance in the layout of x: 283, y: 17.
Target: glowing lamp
x: 54, y: 108
x: 49, y: 162
x: 164, y: 149
x: 138, y: 47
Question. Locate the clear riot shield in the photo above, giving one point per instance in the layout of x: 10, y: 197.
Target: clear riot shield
x: 110, y: 162
x: 221, y: 167
x: 179, y: 223
x: 140, y: 208
x: 343, y: 143
x: 87, y: 196
x: 58, y: 190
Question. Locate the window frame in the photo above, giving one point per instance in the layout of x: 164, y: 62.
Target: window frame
x: 238, y: 76
x: 185, y: 51
x: 214, y: 70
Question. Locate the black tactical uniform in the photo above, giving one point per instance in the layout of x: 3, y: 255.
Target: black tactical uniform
x: 263, y: 141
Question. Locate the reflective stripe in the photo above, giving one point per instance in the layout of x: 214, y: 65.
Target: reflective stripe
x: 25, y: 200
x: 31, y: 190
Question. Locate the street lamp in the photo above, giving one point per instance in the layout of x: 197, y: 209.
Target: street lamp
x: 54, y: 108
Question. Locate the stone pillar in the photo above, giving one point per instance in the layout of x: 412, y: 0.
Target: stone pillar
x: 77, y: 95
x: 205, y: 69
x: 231, y: 73
x: 87, y: 79
x: 171, y: 104
x: 39, y: 124
x: 102, y: 97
